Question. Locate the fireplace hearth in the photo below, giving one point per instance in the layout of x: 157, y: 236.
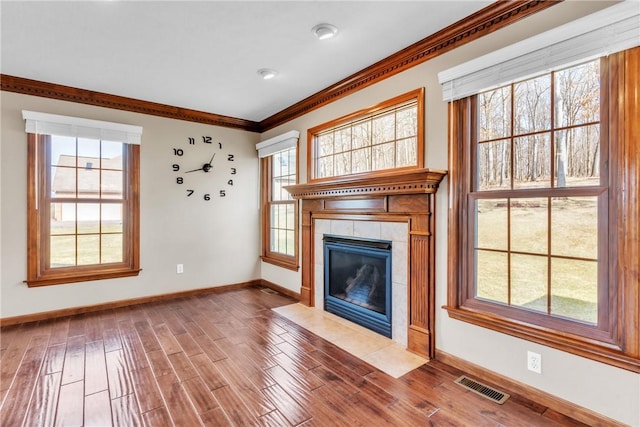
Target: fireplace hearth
x: 357, y: 277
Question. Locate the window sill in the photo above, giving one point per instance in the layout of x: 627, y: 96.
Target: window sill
x: 65, y: 278
x: 289, y: 264
x: 589, y: 348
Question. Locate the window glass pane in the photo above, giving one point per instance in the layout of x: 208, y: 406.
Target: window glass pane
x: 494, y: 165
x: 343, y: 140
x: 112, y: 155
x: 88, y: 249
x: 383, y: 156
x: 88, y: 181
x: 578, y: 94
x: 63, y: 151
x: 63, y: 216
x: 361, y: 160
x: 62, y: 251
x: 406, y: 152
x: 343, y: 163
x: 574, y: 289
x: 494, y: 114
x: 362, y: 134
x: 531, y: 161
x: 384, y: 128
x: 325, y: 144
x: 532, y: 101
x: 529, y: 220
x: 89, y: 149
x: 111, y: 217
x: 577, y: 157
x: 273, y: 242
x: 407, y: 122
x: 574, y: 227
x: 529, y: 282
x: 63, y: 182
x: 325, y: 167
x: 88, y: 218
x: 111, y: 248
x: 290, y: 243
x: 492, y: 278
x: 492, y: 225
x: 112, y: 184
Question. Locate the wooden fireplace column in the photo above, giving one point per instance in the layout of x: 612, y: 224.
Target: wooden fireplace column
x: 400, y: 197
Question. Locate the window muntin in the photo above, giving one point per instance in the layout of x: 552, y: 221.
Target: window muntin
x: 83, y: 222
x: 385, y: 137
x: 538, y: 198
x: 280, y: 241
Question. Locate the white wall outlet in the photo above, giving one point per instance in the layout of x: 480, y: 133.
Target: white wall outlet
x: 534, y: 362
x: 179, y: 268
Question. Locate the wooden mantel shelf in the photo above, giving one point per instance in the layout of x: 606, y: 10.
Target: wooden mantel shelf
x: 418, y: 181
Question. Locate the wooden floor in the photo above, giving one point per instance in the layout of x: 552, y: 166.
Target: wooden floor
x: 221, y: 359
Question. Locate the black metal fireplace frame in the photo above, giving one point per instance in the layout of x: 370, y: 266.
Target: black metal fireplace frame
x: 370, y: 319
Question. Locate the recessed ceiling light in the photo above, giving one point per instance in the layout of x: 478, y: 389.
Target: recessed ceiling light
x: 267, y: 73
x: 324, y: 31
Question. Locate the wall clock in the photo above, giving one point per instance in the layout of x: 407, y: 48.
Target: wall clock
x: 204, y: 169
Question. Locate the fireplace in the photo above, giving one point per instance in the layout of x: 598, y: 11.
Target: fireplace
x: 357, y: 281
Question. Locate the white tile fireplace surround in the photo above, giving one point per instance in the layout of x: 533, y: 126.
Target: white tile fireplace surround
x: 397, y: 233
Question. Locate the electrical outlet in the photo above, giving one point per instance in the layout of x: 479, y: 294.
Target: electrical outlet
x: 179, y: 268
x: 534, y: 362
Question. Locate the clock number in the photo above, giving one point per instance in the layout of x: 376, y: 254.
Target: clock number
x: 206, y: 139
x: 207, y: 197
x: 176, y: 167
x: 189, y: 193
x: 192, y: 141
x: 178, y: 152
x: 230, y: 157
x: 179, y: 180
x: 233, y: 171
x: 222, y: 193
x: 220, y: 145
x: 230, y: 182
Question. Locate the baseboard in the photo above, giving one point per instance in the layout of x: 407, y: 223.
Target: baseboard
x: 284, y: 291
x: 124, y: 303
x: 557, y: 404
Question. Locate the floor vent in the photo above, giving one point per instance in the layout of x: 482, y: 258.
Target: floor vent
x: 268, y: 291
x: 482, y: 390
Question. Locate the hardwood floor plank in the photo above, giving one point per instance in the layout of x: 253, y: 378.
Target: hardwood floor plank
x: 188, y: 344
x: 254, y: 400
x: 125, y: 412
x: 291, y: 409
x: 166, y: 339
x: 70, y: 410
x: 54, y: 359
x: 298, y: 371
x: 159, y: 362
x: 95, y: 378
x: 208, y: 371
x: 274, y: 419
x: 147, y: 337
x: 111, y: 339
x: 179, y: 405
x: 132, y: 346
x: 44, y: 402
x: 146, y: 389
x: 215, y: 418
x: 118, y: 375
x: 209, y: 347
x: 182, y: 366
x: 73, y: 368
x: 200, y: 395
x: 97, y: 410
x: 157, y: 417
x: 234, y: 407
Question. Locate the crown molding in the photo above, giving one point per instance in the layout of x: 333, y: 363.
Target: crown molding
x: 491, y: 18
x: 100, y: 99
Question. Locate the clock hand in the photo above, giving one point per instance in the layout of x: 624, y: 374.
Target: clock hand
x: 196, y: 170
x: 214, y: 154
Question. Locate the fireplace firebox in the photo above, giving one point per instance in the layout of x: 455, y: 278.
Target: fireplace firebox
x: 357, y: 281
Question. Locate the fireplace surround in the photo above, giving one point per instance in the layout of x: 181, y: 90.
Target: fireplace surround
x: 401, y: 197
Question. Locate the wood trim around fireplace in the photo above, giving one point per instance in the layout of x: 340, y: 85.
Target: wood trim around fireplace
x: 407, y: 195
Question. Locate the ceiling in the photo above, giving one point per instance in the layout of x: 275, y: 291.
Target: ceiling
x: 204, y: 55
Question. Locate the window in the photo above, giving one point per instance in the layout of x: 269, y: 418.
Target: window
x: 384, y: 137
x: 539, y: 245
x: 279, y: 209
x: 83, y: 203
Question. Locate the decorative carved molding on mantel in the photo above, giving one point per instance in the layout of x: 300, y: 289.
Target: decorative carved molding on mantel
x: 400, y: 196
x: 418, y: 181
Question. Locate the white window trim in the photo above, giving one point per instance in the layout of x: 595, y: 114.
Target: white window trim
x: 608, y: 31
x: 278, y: 143
x: 53, y: 124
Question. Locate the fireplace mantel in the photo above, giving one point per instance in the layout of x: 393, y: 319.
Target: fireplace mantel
x: 406, y: 196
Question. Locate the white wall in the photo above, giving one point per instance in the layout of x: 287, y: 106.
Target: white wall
x: 217, y: 241
x: 602, y: 388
